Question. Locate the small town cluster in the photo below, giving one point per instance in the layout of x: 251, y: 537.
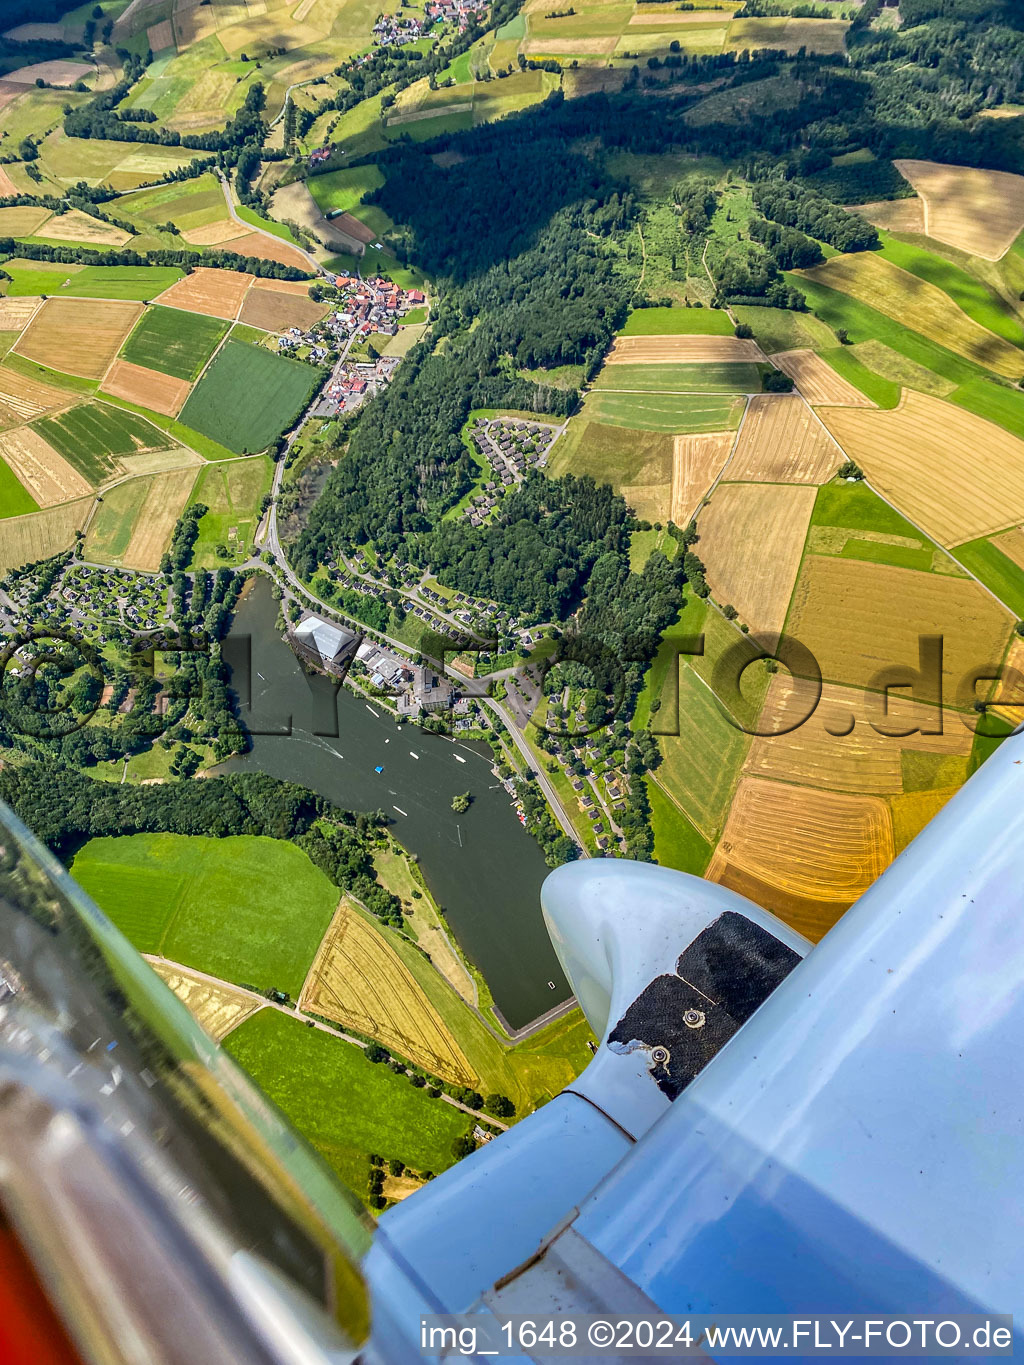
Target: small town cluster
x: 395, y: 30
x: 511, y: 446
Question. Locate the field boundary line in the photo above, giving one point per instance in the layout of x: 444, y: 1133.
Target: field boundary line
x: 924, y: 534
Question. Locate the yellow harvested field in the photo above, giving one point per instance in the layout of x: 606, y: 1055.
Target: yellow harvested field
x: 22, y: 399
x: 15, y: 313
x: 1011, y: 543
x: 75, y: 226
x: 781, y: 441
x: 217, y: 1007
x: 900, y: 369
x: 863, y: 622
x: 213, y: 234
x: 7, y: 185
x: 919, y: 305
x: 816, y: 846
x: 850, y: 741
x: 981, y: 212
x: 217, y: 293
x: 569, y: 47
x: 164, y: 503
x: 683, y: 350
x: 913, y: 810
x: 24, y: 540
x: 23, y: 221
x: 359, y: 980
x: 1008, y: 694
x: 270, y: 31
x: 649, y: 501
x: 818, y: 381
x: 751, y: 539
x: 78, y: 336
x: 697, y: 463
x: 159, y: 392
x: 952, y: 473
x: 894, y: 215
x: 46, y: 475
x: 681, y: 19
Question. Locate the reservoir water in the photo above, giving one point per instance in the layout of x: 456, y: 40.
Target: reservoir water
x: 482, y: 867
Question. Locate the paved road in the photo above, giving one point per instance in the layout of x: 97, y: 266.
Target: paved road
x: 293, y: 1013
x: 313, y: 263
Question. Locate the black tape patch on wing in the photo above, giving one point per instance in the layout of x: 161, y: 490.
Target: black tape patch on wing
x: 683, y: 1020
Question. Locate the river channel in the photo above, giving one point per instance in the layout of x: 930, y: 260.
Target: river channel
x: 482, y: 867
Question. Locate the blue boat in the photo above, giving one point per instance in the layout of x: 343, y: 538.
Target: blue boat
x: 378, y: 770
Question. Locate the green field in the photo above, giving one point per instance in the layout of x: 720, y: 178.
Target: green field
x: 677, y: 842
x: 343, y: 190
x: 967, y: 293
x: 705, y: 378
x: 702, y: 764
x: 668, y: 412
x: 855, y: 507
x: 615, y: 455
x: 643, y: 322
x: 15, y: 499
x: 996, y: 570
x: 110, y: 529
x: 232, y: 492
x: 248, y: 397
x: 884, y: 392
x: 248, y: 909
x: 995, y: 402
x: 30, y: 282
x: 137, y: 282
x: 345, y: 1106
x: 92, y: 435
x: 174, y: 342
x: 782, y: 329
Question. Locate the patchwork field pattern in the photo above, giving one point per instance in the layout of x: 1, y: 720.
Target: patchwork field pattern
x: 1012, y: 545
x: 638, y: 464
x: 158, y: 392
x: 173, y: 342
x: 358, y: 980
x: 166, y: 496
x: 923, y: 455
x: 920, y: 306
x: 248, y: 397
x: 702, y: 763
x: 22, y: 398
x: 216, y: 1007
x: 697, y: 462
x: 981, y: 212
x: 845, y: 612
x: 683, y: 350
x: 78, y: 336
x: 781, y: 441
x: 751, y: 539
x: 809, y: 854
x: 95, y: 438
x: 818, y: 381
x: 851, y: 742
x: 48, y: 477
x: 217, y: 293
